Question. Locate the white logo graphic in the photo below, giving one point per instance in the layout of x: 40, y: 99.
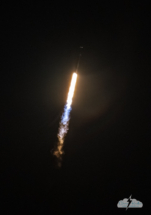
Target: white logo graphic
x: 129, y: 203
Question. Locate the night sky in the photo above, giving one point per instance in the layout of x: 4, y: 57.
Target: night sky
x: 107, y: 148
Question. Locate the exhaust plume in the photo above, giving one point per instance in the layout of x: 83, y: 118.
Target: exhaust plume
x: 64, y: 123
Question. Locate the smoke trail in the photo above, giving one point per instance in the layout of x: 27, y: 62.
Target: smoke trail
x: 63, y: 127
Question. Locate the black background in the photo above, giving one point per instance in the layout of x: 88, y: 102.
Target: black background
x: 107, y: 148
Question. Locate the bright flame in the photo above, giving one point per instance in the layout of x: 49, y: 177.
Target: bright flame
x: 71, y: 90
x: 65, y: 120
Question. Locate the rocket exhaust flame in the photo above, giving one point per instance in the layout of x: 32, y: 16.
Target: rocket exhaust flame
x: 63, y: 127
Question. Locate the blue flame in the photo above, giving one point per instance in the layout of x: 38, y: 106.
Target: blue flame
x: 65, y: 115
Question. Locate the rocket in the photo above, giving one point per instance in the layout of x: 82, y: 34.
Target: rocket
x: 77, y: 67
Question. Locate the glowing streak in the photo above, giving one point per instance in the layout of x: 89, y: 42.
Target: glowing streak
x: 63, y: 128
x: 71, y: 90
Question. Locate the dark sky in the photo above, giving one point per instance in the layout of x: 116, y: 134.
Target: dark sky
x: 107, y: 148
